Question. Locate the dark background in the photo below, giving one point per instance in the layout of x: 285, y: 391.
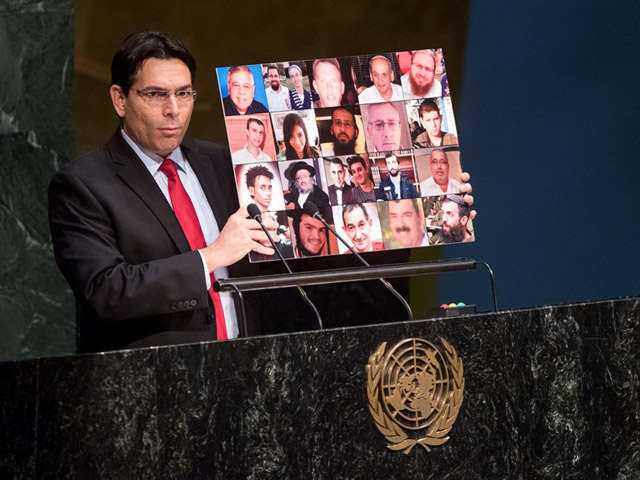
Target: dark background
x: 545, y: 96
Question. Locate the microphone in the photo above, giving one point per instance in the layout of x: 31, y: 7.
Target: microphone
x: 256, y: 214
x: 388, y: 195
x: 310, y: 209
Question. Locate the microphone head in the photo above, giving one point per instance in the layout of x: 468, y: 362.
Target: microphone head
x: 310, y: 209
x: 254, y: 211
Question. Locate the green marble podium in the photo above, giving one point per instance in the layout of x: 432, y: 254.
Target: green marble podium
x: 550, y: 392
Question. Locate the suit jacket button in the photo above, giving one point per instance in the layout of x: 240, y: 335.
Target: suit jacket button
x: 209, y: 319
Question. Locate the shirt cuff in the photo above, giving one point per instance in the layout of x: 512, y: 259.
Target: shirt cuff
x: 207, y: 275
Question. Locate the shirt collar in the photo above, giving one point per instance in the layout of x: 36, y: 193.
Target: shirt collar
x: 151, y: 160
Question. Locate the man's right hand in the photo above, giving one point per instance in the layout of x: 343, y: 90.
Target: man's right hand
x: 239, y: 236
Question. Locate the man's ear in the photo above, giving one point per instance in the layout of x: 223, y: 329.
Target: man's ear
x: 464, y: 220
x: 119, y: 99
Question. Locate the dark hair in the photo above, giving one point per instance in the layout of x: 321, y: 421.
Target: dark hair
x: 356, y: 159
x: 255, y: 172
x: 138, y: 47
x: 336, y: 161
x: 428, y: 105
x: 351, y: 207
x: 414, y: 203
x: 273, y: 67
x: 464, y: 210
x: 289, y: 123
x: 346, y: 110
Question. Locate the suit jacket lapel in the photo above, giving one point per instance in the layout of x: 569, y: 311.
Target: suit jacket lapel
x: 217, y: 195
x: 137, y: 177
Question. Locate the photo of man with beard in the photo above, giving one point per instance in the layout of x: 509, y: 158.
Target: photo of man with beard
x: 340, y: 132
x: 455, y: 220
x: 277, y: 94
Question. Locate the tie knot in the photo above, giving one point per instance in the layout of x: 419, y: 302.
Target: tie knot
x: 168, y: 167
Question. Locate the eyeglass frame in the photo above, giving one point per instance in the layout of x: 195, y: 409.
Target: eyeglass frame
x: 191, y: 94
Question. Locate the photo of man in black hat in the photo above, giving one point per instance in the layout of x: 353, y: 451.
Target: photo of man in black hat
x: 303, y: 187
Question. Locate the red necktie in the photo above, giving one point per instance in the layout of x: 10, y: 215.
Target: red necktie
x: 186, y: 214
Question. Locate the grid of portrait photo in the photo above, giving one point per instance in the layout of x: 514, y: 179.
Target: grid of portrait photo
x: 371, y: 140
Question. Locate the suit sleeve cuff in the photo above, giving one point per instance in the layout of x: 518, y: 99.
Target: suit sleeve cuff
x: 207, y: 276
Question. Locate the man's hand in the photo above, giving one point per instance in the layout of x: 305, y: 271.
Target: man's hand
x: 465, y: 189
x: 239, y: 236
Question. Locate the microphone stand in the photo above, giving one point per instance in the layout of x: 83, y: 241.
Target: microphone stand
x: 311, y: 209
x: 255, y: 213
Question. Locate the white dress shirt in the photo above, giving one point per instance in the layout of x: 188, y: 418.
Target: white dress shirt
x: 205, y: 215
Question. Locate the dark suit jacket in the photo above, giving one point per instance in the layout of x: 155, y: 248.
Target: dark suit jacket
x: 121, y: 248
x: 317, y: 196
x: 333, y: 196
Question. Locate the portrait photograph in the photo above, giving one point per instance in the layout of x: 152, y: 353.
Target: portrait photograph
x: 251, y: 138
x: 405, y: 170
x: 439, y: 170
x: 274, y: 80
x: 260, y: 183
x: 332, y: 82
x: 242, y: 90
x: 448, y: 220
x: 423, y: 74
x: 298, y: 84
x: 378, y: 78
x: 386, y: 126
x: 310, y: 237
x: 431, y: 122
x: 362, y: 228
x: 296, y: 134
x: 341, y: 130
x: 403, y: 223
x: 336, y: 178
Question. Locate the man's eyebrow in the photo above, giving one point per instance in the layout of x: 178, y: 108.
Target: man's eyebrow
x: 162, y: 89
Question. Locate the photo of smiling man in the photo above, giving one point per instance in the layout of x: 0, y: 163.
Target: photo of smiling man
x: 403, y: 223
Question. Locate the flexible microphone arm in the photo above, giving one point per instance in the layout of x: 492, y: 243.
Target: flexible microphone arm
x: 254, y: 212
x: 312, y: 210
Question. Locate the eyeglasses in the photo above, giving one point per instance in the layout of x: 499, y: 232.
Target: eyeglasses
x: 303, y: 177
x: 392, y: 124
x: 160, y: 97
x: 439, y: 162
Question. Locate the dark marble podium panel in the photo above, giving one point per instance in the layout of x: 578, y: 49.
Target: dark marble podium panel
x: 550, y: 393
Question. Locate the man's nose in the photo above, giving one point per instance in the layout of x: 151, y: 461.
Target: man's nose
x: 172, y: 107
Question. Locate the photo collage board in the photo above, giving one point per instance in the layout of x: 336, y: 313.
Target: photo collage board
x: 371, y: 140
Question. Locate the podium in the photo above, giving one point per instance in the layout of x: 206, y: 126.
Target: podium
x: 550, y: 392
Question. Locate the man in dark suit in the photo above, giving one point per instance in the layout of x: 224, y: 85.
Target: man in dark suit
x: 301, y: 174
x: 340, y: 186
x: 117, y: 226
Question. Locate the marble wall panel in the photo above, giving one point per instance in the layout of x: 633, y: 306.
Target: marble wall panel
x: 36, y: 137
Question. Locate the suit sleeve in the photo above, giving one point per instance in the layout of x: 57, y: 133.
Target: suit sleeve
x: 88, y: 237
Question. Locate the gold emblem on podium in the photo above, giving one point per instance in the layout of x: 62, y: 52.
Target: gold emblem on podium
x: 415, y: 392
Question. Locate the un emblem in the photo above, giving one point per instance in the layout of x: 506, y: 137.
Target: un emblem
x: 415, y: 392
